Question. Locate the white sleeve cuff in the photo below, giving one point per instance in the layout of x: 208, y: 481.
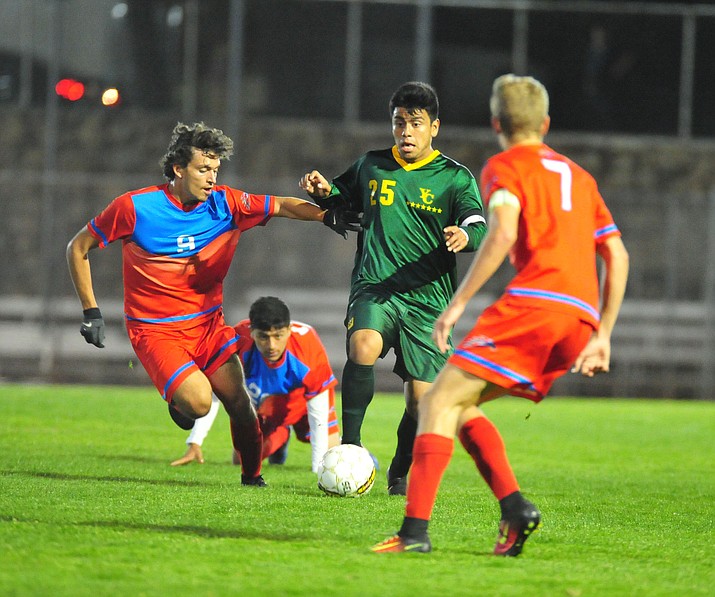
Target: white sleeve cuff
x: 203, y: 424
x: 318, y: 410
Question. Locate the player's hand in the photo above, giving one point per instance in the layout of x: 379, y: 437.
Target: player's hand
x: 456, y: 238
x: 444, y: 324
x: 93, y: 327
x: 193, y: 454
x: 316, y: 185
x: 594, y: 358
x: 342, y: 220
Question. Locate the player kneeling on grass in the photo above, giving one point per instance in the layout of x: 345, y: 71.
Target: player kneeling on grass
x: 291, y: 384
x: 178, y: 240
x: 547, y: 214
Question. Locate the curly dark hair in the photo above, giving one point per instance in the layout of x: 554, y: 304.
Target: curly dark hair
x: 267, y: 313
x: 187, y: 137
x: 414, y: 96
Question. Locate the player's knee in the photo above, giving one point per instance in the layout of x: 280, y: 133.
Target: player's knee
x: 193, y: 396
x: 365, y: 347
x: 364, y: 357
x: 196, y: 406
x: 432, y: 404
x: 202, y: 408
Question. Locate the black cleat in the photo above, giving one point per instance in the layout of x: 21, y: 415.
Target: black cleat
x: 256, y: 481
x: 396, y: 485
x: 186, y: 423
x: 514, y: 532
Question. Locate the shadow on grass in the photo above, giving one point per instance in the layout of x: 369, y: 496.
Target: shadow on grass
x: 310, y: 491
x: 111, y: 479
x: 157, y: 460
x: 199, y: 531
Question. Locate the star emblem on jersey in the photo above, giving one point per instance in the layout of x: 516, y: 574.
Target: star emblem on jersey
x: 423, y: 207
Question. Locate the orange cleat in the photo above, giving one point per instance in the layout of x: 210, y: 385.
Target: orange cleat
x: 399, y: 544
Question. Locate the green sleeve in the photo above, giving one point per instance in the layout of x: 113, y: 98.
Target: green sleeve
x: 345, y: 187
x: 470, y: 210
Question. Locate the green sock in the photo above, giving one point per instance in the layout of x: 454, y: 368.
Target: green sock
x: 406, y: 432
x: 358, y: 388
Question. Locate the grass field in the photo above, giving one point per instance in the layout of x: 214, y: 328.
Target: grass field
x: 90, y: 506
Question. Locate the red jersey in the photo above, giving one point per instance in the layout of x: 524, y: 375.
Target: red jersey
x: 563, y: 218
x: 175, y: 260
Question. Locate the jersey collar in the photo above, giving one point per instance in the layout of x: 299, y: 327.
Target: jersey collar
x: 413, y: 166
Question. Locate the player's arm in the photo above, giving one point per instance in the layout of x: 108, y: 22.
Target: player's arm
x: 501, y: 236
x: 471, y: 225
x: 469, y: 232
x: 342, y: 191
x: 297, y: 209
x: 616, y: 258
x: 198, y: 434
x: 336, y: 218
x: 316, y: 185
x: 596, y: 356
x: 318, y: 411
x: 78, y: 262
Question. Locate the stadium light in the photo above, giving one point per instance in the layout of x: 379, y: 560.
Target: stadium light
x: 110, y: 96
x: 70, y: 89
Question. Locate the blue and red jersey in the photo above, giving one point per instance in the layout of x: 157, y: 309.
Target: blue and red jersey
x: 175, y: 259
x: 300, y: 374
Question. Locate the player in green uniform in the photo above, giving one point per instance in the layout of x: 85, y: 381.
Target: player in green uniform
x: 419, y: 208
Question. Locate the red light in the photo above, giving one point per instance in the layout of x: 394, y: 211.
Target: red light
x: 70, y: 89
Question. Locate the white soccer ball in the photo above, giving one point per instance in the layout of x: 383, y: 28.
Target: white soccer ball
x: 346, y: 471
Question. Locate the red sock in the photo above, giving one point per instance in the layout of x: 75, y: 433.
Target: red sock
x: 431, y: 454
x: 485, y: 445
x: 248, y: 442
x: 274, y: 440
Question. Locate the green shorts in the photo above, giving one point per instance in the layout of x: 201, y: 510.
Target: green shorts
x: 406, y: 329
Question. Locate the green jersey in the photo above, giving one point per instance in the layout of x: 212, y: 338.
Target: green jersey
x: 406, y: 206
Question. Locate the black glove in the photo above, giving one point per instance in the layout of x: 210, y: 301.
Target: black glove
x: 93, y: 327
x: 342, y: 220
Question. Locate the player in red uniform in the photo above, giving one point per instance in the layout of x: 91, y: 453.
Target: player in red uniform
x: 291, y: 384
x: 547, y: 214
x: 178, y: 240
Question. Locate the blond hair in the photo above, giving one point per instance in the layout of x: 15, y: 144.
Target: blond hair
x: 520, y: 104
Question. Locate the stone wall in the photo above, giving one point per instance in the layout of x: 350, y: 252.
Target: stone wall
x: 653, y: 185
x: 661, y: 191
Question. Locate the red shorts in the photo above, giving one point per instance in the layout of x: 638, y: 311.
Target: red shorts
x: 283, y: 411
x: 523, y: 350
x: 170, y: 355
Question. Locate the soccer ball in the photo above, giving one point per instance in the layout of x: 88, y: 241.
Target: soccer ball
x: 346, y: 471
